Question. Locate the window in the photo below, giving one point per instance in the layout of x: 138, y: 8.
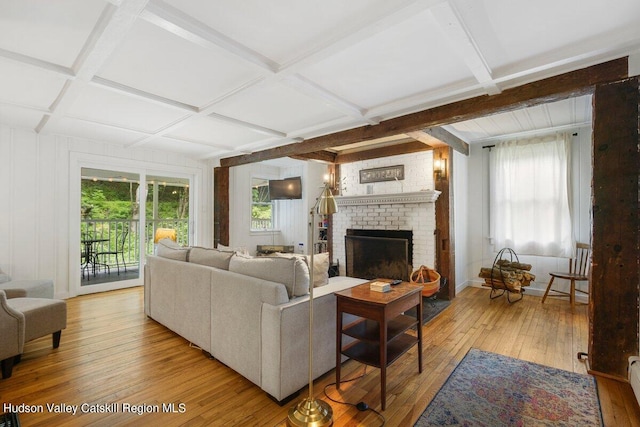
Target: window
x: 261, y: 205
x: 530, y: 209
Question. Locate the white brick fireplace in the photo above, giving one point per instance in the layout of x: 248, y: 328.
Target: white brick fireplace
x: 413, y: 211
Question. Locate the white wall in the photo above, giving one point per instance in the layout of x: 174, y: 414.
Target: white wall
x: 291, y: 216
x: 481, y: 253
x: 418, y: 174
x: 36, y: 216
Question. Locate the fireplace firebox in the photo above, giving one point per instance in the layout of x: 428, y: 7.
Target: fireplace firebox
x: 372, y: 254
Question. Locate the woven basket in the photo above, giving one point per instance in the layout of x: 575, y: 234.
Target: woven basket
x: 428, y: 278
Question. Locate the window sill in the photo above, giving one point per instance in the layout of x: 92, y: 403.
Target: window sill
x: 263, y: 232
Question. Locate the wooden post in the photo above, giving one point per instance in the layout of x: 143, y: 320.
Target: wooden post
x: 445, y: 248
x: 221, y: 206
x: 613, y: 301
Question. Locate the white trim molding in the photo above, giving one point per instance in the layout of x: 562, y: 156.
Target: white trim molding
x: 427, y: 196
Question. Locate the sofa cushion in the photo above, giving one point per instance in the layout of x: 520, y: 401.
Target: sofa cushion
x: 241, y: 250
x: 211, y: 257
x: 167, y: 248
x: 293, y: 273
x: 320, y: 263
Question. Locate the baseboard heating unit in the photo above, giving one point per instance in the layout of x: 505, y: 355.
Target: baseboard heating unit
x: 634, y: 376
x: 9, y: 419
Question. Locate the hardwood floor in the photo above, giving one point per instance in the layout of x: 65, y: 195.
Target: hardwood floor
x: 111, y: 353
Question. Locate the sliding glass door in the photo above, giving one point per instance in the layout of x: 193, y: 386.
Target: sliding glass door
x: 167, y: 210
x: 121, y: 207
x: 109, y: 227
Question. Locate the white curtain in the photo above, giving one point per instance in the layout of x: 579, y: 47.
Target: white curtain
x: 530, y: 206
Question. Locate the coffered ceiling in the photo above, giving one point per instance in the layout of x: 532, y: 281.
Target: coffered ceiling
x: 215, y: 79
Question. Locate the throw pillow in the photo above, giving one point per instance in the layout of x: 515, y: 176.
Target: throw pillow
x: 167, y: 248
x: 320, y: 269
x: 211, y: 257
x: 293, y: 273
x: 239, y: 250
x: 320, y: 264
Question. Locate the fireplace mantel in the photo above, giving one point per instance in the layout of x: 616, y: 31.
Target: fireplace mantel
x: 427, y: 196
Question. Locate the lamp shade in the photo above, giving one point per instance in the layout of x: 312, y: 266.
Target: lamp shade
x: 327, y: 204
x: 165, y: 233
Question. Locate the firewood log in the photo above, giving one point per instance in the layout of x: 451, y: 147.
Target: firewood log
x: 514, y: 264
x: 511, y: 285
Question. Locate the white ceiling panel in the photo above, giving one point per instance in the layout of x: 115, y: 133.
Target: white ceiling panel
x: 108, y: 107
x: 408, y: 58
x: 185, y: 147
x: 286, y: 29
x: 53, y: 31
x: 511, y: 33
x: 560, y: 115
x: 215, y: 133
x: 174, y: 68
x: 213, y: 78
x: 19, y: 117
x: 277, y: 106
x: 94, y: 132
x: 28, y: 86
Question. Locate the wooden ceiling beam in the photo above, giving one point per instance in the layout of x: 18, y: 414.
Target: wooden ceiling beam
x: 425, y: 138
x: 376, y: 153
x: 563, y: 86
x: 449, y: 139
x: 323, y: 156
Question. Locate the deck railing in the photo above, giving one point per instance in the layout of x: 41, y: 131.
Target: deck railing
x: 112, y: 230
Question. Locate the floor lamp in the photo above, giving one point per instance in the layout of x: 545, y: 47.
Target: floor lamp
x: 310, y: 411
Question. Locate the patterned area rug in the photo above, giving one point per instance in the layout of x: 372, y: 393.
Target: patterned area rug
x: 488, y: 389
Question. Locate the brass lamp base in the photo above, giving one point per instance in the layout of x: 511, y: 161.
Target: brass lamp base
x: 310, y: 412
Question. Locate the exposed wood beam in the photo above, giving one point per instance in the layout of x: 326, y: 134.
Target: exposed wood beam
x: 450, y: 139
x: 221, y: 206
x: 445, y: 225
x: 376, y: 153
x: 574, y: 83
x: 614, y: 274
x: 425, y: 138
x: 323, y: 156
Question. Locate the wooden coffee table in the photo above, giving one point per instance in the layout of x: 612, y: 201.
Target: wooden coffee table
x: 381, y: 330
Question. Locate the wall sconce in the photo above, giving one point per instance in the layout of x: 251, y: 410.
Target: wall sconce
x: 330, y: 179
x: 440, y: 168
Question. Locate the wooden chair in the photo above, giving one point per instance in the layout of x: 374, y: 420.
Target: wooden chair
x: 578, y: 272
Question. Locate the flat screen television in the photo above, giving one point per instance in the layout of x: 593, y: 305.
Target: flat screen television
x: 285, y: 189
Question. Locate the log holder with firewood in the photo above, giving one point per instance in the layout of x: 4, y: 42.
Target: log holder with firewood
x: 507, y: 275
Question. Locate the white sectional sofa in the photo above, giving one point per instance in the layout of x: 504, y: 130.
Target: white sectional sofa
x: 253, y: 315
